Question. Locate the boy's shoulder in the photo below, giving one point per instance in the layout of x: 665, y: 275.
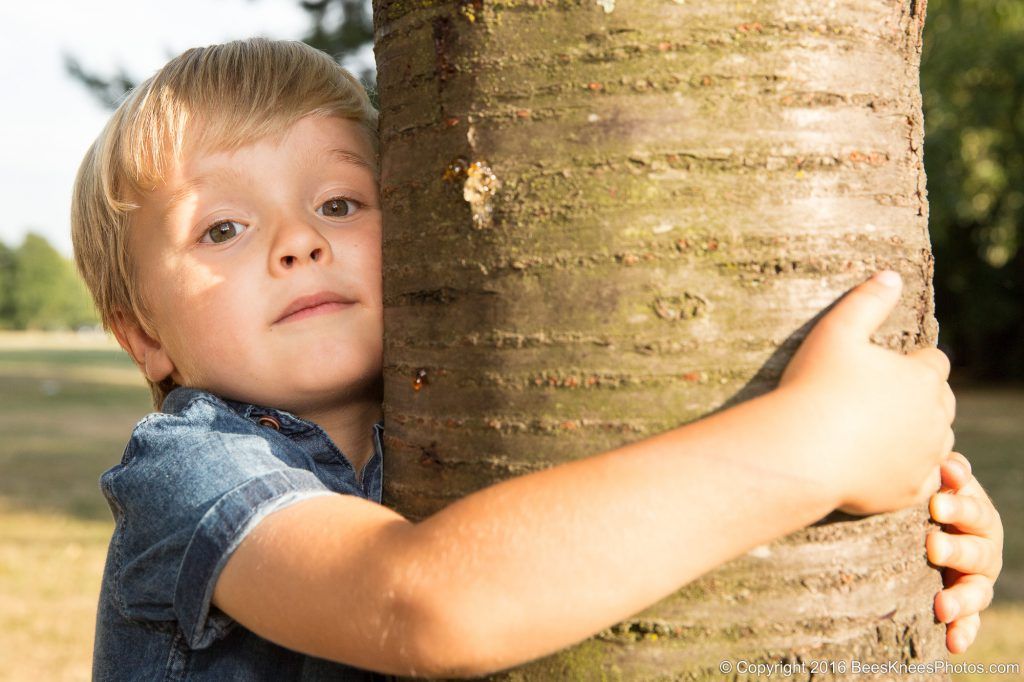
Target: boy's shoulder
x: 202, y: 446
x: 188, y: 418
x: 199, y: 439
x: 183, y: 398
x: 190, y: 414
x: 196, y: 477
x: 187, y: 405
x: 183, y: 406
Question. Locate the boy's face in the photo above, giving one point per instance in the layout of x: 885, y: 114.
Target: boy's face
x: 230, y: 242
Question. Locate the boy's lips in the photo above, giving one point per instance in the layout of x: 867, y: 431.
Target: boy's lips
x: 304, y: 303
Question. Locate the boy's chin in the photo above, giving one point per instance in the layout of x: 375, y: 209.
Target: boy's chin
x: 303, y: 386
x: 321, y: 393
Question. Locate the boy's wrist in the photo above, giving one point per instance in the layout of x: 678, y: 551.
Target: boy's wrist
x: 816, y: 443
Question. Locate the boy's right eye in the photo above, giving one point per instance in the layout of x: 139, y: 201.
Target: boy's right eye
x: 222, y: 231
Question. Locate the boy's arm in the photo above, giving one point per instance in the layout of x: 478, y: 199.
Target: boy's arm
x: 530, y: 565
x: 533, y: 564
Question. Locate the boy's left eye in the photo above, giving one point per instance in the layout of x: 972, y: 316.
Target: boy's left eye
x: 337, y: 207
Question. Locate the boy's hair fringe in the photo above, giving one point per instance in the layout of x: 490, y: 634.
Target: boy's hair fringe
x: 214, y: 98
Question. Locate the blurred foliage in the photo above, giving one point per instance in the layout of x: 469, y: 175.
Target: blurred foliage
x: 108, y: 90
x: 341, y: 28
x: 39, y: 289
x: 972, y: 77
x: 6, y: 285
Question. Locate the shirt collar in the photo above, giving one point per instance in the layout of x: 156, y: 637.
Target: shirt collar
x: 290, y: 424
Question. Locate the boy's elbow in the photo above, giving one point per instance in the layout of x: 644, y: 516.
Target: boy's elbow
x: 444, y: 641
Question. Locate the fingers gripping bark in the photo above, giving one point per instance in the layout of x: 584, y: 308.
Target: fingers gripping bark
x: 889, y: 414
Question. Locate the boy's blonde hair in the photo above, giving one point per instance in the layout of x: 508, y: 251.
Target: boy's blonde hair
x: 214, y: 98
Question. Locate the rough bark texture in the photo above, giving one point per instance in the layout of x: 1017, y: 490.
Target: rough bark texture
x: 603, y: 222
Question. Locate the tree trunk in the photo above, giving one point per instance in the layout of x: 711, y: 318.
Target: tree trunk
x: 604, y: 222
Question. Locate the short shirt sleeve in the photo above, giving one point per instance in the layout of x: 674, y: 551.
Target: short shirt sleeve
x: 190, y: 487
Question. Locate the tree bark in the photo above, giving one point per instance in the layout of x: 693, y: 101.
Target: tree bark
x: 604, y: 221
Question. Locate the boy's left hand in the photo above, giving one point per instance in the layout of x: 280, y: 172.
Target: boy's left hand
x: 970, y: 546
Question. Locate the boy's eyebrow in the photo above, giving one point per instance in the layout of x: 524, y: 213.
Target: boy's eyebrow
x: 189, y: 187
x: 351, y: 157
x: 343, y: 155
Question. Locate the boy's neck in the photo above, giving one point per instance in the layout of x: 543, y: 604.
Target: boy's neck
x: 351, y: 429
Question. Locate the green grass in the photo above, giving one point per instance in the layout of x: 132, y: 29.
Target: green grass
x: 65, y: 416
x: 60, y: 435
x: 66, y: 358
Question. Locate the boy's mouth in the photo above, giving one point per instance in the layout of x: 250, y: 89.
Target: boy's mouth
x: 304, y: 306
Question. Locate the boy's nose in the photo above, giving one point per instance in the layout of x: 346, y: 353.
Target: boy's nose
x: 299, y: 243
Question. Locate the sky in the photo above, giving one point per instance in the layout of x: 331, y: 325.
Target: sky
x: 49, y: 119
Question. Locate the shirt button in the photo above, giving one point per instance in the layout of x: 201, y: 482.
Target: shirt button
x: 269, y: 422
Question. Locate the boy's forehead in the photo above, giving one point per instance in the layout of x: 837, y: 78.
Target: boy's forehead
x: 340, y: 138
x: 312, y: 141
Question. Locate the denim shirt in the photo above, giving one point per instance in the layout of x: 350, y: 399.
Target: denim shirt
x: 194, y: 480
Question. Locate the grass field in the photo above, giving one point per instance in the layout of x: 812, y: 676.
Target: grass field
x: 68, y: 405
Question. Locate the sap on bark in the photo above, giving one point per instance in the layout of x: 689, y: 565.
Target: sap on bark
x: 420, y: 380
x: 479, y: 185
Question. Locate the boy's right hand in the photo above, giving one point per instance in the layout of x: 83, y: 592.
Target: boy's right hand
x: 886, y: 416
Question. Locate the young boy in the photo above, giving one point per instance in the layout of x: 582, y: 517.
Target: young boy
x: 227, y: 223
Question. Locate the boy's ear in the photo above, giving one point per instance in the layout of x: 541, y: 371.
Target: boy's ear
x: 146, y: 351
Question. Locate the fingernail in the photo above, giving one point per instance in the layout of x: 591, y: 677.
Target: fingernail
x: 961, y: 470
x: 954, y: 611
x: 889, y: 278
x: 960, y: 642
x: 943, y: 506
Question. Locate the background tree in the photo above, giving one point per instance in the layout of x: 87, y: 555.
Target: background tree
x: 6, y: 287
x: 45, y: 292
x: 602, y: 222
x: 973, y: 82
x: 341, y: 28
